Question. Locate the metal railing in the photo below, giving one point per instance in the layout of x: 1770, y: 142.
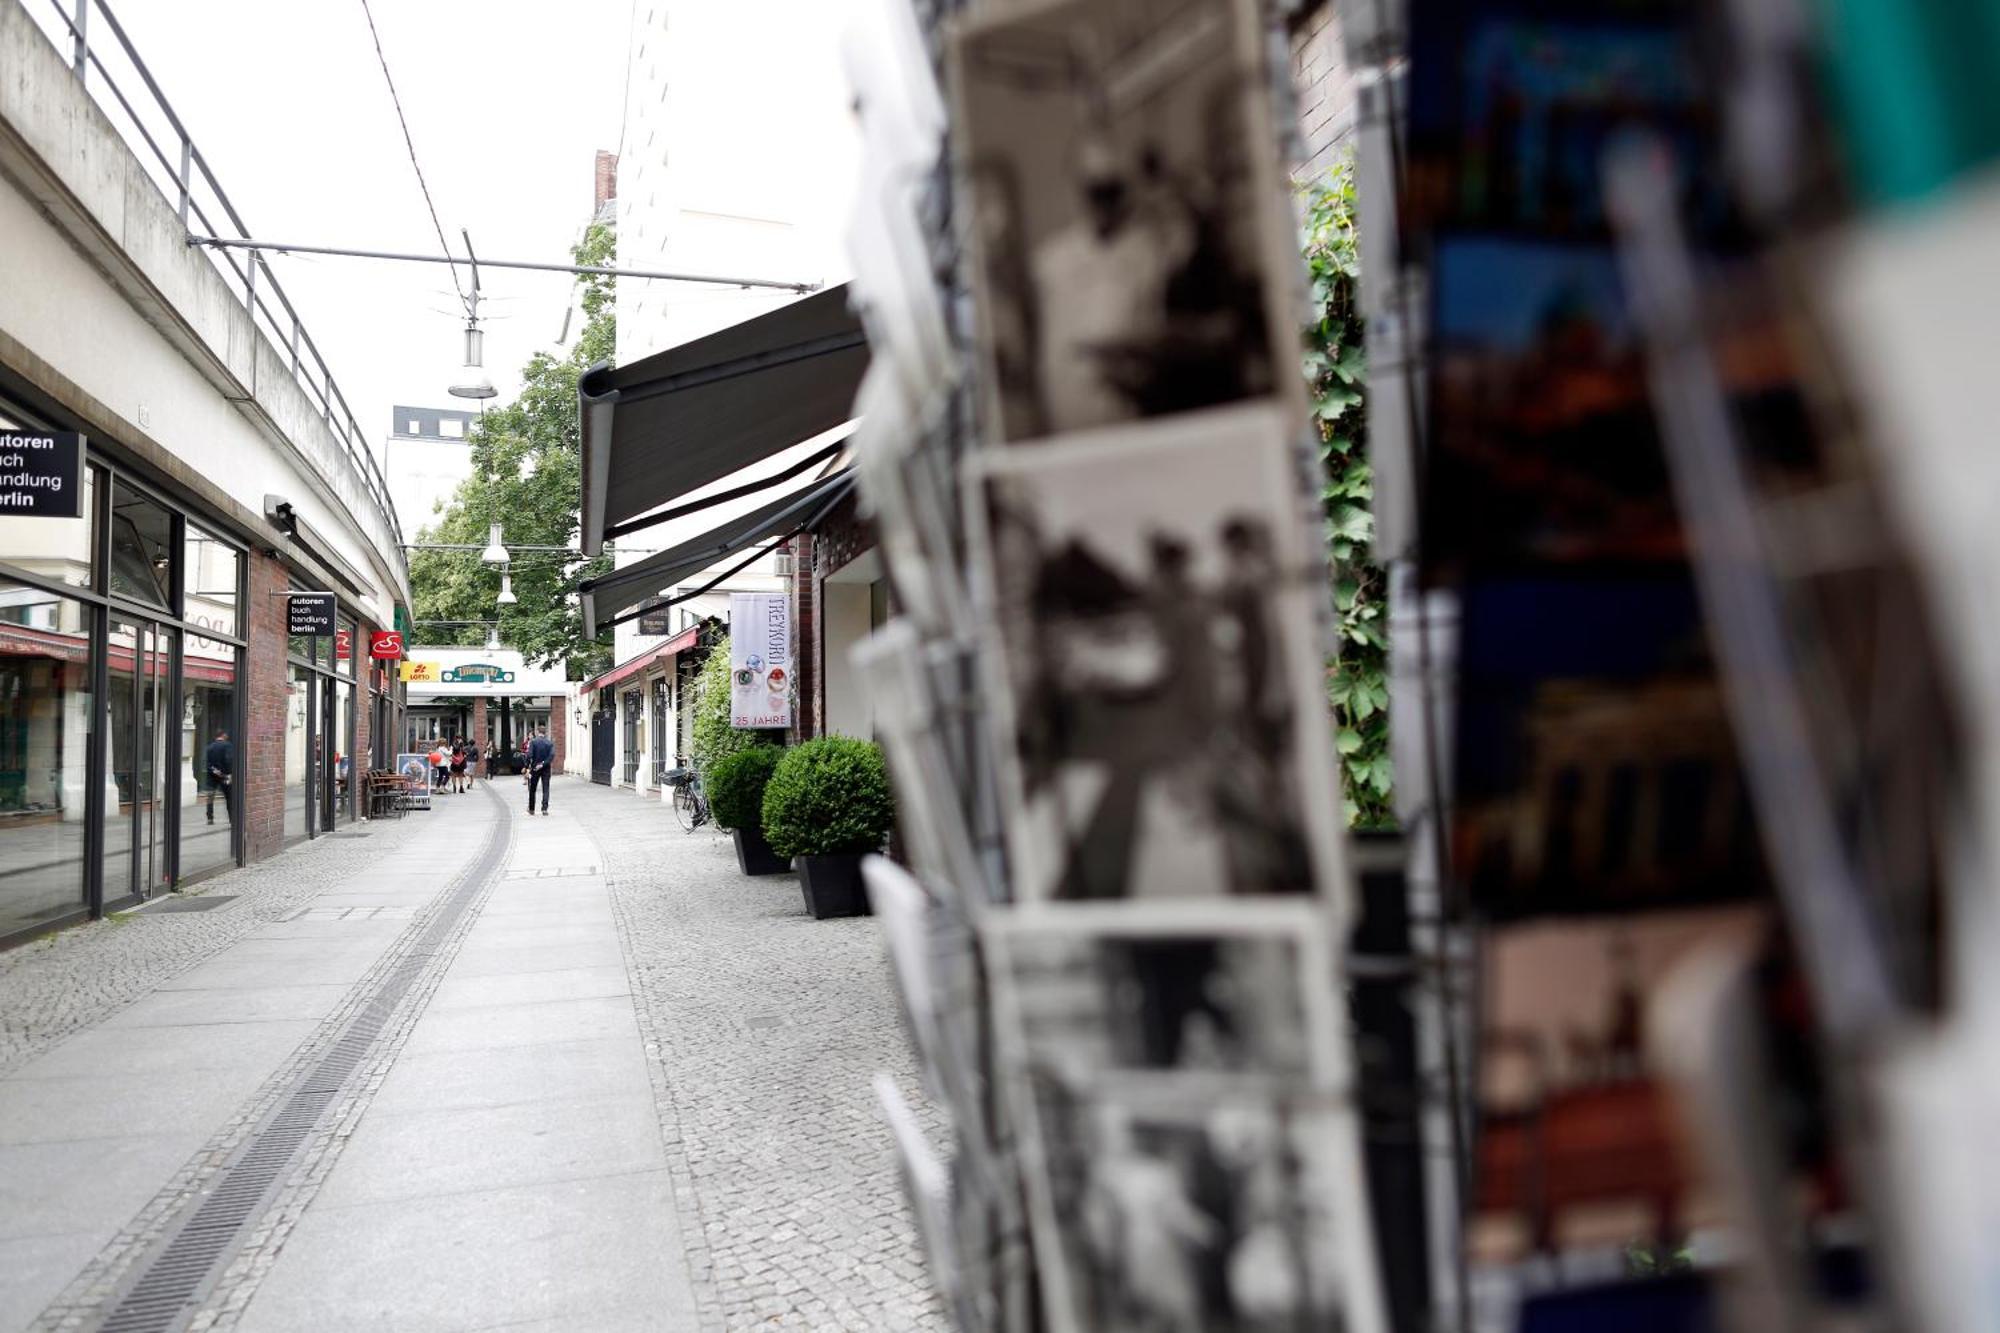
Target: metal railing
x: 182, y: 175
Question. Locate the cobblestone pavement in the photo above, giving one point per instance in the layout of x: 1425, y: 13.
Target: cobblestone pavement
x: 493, y: 1162
x: 768, y: 1026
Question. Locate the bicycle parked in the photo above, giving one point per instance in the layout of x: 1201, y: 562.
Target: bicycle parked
x: 689, y: 802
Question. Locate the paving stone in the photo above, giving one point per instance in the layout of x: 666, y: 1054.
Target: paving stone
x: 597, y: 1007
x: 785, y: 1157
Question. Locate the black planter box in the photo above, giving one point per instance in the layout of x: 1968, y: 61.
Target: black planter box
x: 832, y: 885
x: 755, y: 855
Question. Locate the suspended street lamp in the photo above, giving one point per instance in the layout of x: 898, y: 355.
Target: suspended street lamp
x: 506, y: 597
x: 473, y: 381
x: 495, y: 553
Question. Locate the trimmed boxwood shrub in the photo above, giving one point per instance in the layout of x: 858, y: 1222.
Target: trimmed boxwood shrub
x: 736, y: 786
x: 829, y: 795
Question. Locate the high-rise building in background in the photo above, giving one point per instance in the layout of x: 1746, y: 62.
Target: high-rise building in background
x: 738, y: 159
x: 428, y: 453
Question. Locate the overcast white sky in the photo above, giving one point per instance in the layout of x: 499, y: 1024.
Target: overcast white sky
x: 508, y: 100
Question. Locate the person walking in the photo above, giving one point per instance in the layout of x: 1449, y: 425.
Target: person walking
x: 438, y: 756
x: 541, y: 759
x: 220, y: 760
x: 458, y: 766
x: 471, y: 763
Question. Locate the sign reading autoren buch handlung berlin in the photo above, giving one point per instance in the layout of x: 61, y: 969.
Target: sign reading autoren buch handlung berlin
x: 760, y: 660
x: 41, y: 474
x: 309, y: 613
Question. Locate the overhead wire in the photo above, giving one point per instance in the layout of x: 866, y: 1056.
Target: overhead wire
x: 411, y: 144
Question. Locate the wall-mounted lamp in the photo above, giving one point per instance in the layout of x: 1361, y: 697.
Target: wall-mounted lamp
x: 781, y: 563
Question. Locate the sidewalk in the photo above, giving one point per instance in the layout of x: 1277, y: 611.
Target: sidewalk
x: 446, y: 1075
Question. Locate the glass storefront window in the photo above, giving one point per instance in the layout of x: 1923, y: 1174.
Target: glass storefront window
x: 212, y: 572
x: 342, y: 746
x: 209, y: 790
x: 298, y: 703
x: 142, y: 550
x: 59, y: 549
x: 45, y: 710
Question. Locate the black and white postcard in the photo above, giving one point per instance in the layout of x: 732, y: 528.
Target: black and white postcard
x: 1134, y: 249
x: 927, y: 1181
x: 1234, y: 995
x: 914, y: 501
x: 896, y: 672
x: 1151, y: 610
x: 1157, y: 1210
x: 1182, y: 1085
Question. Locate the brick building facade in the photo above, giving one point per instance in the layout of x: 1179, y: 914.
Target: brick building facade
x: 1325, y: 89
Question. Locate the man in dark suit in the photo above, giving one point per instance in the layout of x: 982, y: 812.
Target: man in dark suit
x: 220, y: 760
x: 541, y: 760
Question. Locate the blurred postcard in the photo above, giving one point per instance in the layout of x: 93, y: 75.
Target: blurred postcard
x: 1133, y: 242
x: 1153, y: 646
x: 1595, y: 769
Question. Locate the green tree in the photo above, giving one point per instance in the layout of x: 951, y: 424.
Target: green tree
x: 527, y: 474
x: 1336, y: 371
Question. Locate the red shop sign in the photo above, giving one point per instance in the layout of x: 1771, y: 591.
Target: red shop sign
x: 385, y: 644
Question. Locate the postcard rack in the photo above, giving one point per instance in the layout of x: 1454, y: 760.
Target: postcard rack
x: 1401, y: 976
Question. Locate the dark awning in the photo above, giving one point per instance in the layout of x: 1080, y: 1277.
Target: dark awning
x: 604, y: 598
x: 671, y: 423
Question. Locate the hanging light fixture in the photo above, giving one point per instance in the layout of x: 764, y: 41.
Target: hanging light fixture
x: 507, y: 597
x: 495, y: 553
x: 473, y: 381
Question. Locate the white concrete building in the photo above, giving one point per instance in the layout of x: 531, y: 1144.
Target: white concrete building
x: 740, y: 156
x: 427, y: 454
x: 158, y: 721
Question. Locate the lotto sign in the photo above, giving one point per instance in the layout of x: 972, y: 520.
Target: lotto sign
x: 420, y: 673
x: 385, y: 645
x: 760, y: 660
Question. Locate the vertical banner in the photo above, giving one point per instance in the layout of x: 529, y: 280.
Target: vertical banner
x: 760, y: 660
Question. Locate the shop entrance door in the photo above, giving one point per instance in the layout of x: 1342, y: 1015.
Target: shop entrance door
x: 603, y: 741
x: 146, y: 784
x: 631, y: 738
x: 326, y: 749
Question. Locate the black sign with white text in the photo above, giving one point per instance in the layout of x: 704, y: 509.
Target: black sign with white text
x: 41, y: 474
x: 309, y: 613
x: 656, y: 620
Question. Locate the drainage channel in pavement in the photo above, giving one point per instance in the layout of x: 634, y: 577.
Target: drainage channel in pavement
x: 169, y: 1284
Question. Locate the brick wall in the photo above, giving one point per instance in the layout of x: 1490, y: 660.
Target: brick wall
x: 1325, y: 89
x: 479, y: 729
x: 263, y: 748
x: 559, y: 728
x: 364, y: 710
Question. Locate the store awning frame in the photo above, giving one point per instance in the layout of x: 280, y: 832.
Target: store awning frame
x: 680, y: 643
x: 660, y: 428
x: 637, y: 585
